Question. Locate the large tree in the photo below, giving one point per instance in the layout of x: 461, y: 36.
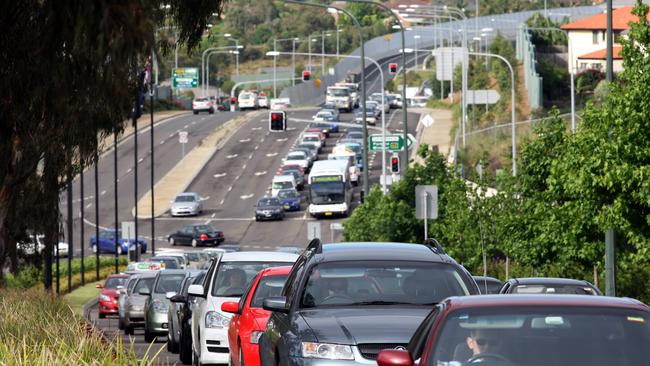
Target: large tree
x: 69, y: 75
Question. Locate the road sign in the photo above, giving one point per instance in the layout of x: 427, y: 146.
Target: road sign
x: 313, y: 230
x: 128, y: 230
x: 182, y: 137
x: 482, y: 96
x: 446, y: 60
x: 426, y: 202
x: 393, y: 142
x: 427, y: 120
x: 185, y: 77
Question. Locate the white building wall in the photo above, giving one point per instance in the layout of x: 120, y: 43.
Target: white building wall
x: 581, y: 42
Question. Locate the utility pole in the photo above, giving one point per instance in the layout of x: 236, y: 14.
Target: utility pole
x: 610, y: 244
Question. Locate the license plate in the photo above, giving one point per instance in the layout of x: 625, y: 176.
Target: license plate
x: 328, y: 214
x: 287, y: 206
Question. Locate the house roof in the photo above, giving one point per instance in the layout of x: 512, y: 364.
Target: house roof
x: 621, y: 17
x: 602, y: 54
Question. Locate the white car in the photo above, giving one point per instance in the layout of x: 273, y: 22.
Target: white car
x: 282, y: 182
x: 297, y: 158
x: 226, y: 280
x: 313, y: 140
x: 247, y: 100
x: 377, y: 97
x: 202, y: 105
x: 263, y: 101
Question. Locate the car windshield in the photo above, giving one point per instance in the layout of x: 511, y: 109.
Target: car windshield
x: 244, y: 96
x: 201, y: 99
x: 327, y: 192
x: 185, y: 198
x: 169, y: 283
x: 381, y: 283
x: 268, y: 202
x: 143, y: 283
x: 195, y: 256
x: 311, y: 138
x: 205, y: 228
x: 356, y: 136
x: 488, y: 287
x: 310, y: 147
x: 533, y: 336
x: 234, y: 277
x: 170, y: 263
x: 338, y: 92
x: 288, y: 194
x: 268, y: 286
x: 114, y: 282
x: 281, y: 185
x: 554, y: 289
x: 296, y: 157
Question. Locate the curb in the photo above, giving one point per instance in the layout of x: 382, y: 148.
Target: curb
x: 86, y: 308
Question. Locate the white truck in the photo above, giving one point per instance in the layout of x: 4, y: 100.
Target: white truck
x: 341, y: 97
x: 330, y: 191
x: 344, y: 152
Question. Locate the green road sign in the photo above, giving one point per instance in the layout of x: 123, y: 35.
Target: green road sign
x: 186, y: 77
x: 393, y: 142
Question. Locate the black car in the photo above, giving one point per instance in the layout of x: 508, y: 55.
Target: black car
x: 488, y: 285
x: 348, y: 301
x: 186, y: 303
x: 197, y: 234
x: 547, y: 285
x: 269, y: 208
x: 169, y: 262
x: 174, y: 311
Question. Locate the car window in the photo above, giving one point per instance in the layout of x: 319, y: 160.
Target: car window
x: 113, y: 282
x: 106, y: 235
x: 539, y: 336
x: 268, y: 202
x: 554, y: 289
x: 205, y: 228
x: 383, y: 283
x: 146, y: 282
x: 288, y: 194
x: 169, y: 283
x: 268, y: 286
x: 233, y: 277
x: 129, y: 286
x: 185, y: 198
x: 170, y: 263
x: 296, y: 157
x: 281, y: 185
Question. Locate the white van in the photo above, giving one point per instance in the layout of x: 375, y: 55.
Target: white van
x: 247, y: 100
x: 282, y: 182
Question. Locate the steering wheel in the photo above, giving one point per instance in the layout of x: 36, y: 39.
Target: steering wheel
x: 336, y: 296
x: 233, y: 290
x: 488, y: 356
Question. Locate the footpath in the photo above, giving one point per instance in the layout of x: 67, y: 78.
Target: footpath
x: 437, y: 134
x: 184, y: 172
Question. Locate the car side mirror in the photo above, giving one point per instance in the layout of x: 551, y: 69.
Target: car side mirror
x: 230, y: 307
x: 393, y: 357
x: 178, y: 298
x: 144, y: 292
x: 170, y: 294
x: 278, y: 303
x: 196, y: 290
x: 99, y: 285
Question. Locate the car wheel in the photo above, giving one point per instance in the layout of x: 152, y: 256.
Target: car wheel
x: 194, y: 243
x: 172, y: 241
x: 142, y: 249
x: 196, y: 112
x: 94, y: 248
x: 185, y: 348
x: 102, y: 315
x: 241, y: 357
x: 170, y: 347
x: 195, y: 359
x: 120, y: 324
x: 148, y: 337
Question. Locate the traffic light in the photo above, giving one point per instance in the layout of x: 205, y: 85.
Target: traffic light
x: 394, y: 164
x: 233, y: 101
x: 306, y: 75
x: 392, y: 68
x: 277, y: 121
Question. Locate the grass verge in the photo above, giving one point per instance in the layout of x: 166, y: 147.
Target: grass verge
x: 81, y: 296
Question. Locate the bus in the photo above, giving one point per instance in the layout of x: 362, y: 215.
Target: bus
x: 330, y: 191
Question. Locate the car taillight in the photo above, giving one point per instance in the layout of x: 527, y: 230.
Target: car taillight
x: 220, y: 234
x: 203, y: 237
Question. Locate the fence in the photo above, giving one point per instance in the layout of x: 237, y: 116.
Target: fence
x: 526, y: 54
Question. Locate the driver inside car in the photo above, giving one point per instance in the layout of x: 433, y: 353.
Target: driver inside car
x: 485, y: 345
x: 236, y: 281
x: 337, y: 287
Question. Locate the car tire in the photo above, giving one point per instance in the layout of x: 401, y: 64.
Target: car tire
x: 148, y: 337
x: 185, y: 349
x: 102, y: 315
x: 195, y: 359
x: 211, y: 111
x: 196, y: 112
x: 120, y: 324
x: 94, y: 248
x: 194, y: 243
x: 241, y: 357
x: 172, y: 241
x: 142, y: 249
x: 169, y: 345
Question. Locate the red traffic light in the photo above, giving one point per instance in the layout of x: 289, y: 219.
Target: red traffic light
x: 277, y: 121
x: 392, y: 68
x: 306, y: 75
x: 233, y: 100
x: 394, y: 164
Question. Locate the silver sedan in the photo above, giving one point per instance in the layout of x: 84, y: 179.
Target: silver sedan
x: 186, y: 204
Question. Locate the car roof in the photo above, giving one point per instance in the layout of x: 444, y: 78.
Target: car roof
x: 120, y: 275
x: 271, y: 271
x: 259, y: 256
x: 548, y: 281
x: 382, y: 251
x: 187, y: 194
x: 487, y: 278
x: 296, y: 153
x: 500, y: 301
x: 166, y: 272
x: 283, y: 178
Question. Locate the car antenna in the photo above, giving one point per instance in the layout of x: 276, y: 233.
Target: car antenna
x: 435, y: 246
x: 316, y: 245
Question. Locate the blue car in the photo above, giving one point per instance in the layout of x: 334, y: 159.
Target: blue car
x: 107, y: 243
x: 290, y: 199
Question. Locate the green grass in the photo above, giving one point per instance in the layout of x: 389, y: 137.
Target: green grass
x: 81, y: 296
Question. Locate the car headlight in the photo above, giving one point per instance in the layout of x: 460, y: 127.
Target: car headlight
x: 103, y: 297
x: 327, y: 351
x: 214, y: 319
x: 255, y: 336
x: 159, y: 306
x: 136, y: 307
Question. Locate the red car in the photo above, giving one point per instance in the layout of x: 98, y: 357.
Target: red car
x: 529, y: 330
x: 107, y: 299
x: 249, y: 322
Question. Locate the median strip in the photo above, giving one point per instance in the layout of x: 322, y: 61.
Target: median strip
x: 182, y: 175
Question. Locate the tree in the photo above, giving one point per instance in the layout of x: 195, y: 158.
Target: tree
x: 71, y: 77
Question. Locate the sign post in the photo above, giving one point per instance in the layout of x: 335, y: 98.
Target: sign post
x: 128, y: 233
x: 426, y: 205
x: 182, y: 139
x: 313, y: 230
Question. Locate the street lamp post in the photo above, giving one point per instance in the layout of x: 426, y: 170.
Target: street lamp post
x: 203, y: 55
x: 229, y: 36
x: 293, y: 58
x: 207, y: 64
x: 416, y: 37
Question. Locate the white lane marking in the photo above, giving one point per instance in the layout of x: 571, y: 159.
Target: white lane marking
x: 257, y: 147
x: 186, y: 125
x: 194, y: 122
x: 162, y: 142
x: 290, y: 128
x: 247, y: 196
x: 103, y: 193
x: 256, y: 128
x: 262, y: 140
x: 203, y: 119
x: 244, y: 167
x: 245, y: 140
x: 232, y: 156
x: 237, y: 177
x: 263, y: 172
x: 140, y: 160
x: 89, y: 205
x: 229, y: 188
x: 282, y: 140
x: 213, y: 215
x: 219, y: 175
x: 129, y: 170
x: 221, y: 202
x: 271, y: 154
x: 250, y: 156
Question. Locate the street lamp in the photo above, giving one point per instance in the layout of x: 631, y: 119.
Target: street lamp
x: 293, y: 51
x: 416, y: 37
x: 229, y: 37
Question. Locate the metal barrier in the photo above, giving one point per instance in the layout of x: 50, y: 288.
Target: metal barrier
x: 526, y: 54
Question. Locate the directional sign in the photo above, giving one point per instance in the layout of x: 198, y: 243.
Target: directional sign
x: 182, y: 137
x: 186, y: 77
x: 427, y: 120
x: 393, y: 142
x: 482, y: 96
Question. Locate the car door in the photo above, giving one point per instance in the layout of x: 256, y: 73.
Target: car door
x: 107, y: 242
x: 199, y: 309
x: 185, y: 235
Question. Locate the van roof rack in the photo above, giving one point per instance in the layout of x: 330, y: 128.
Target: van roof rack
x: 435, y: 246
x: 316, y: 245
